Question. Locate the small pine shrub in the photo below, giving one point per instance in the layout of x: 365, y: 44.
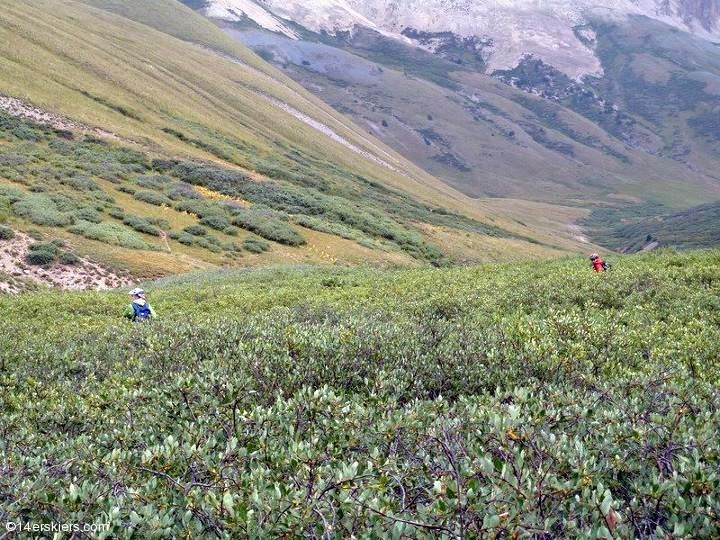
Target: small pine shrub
x: 253, y: 244
x: 153, y: 197
x: 40, y: 258
x: 69, y: 258
x: 195, y: 230
x: 6, y: 233
x: 88, y: 214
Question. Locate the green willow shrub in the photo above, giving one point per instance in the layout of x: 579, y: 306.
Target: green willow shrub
x: 209, y: 243
x: 126, y: 189
x: 338, y: 229
x: 88, y: 214
x: 11, y: 194
x: 216, y: 221
x: 182, y: 191
x: 232, y: 247
x: 153, y: 181
x: 268, y: 225
x: 140, y: 224
x: 201, y: 208
x: 116, y: 212
x: 69, y: 258
x: 40, y: 209
x: 52, y: 246
x: 535, y: 400
x: 183, y: 237
x: 112, y: 233
x: 159, y: 222
x: 80, y: 183
x: 153, y: 197
x: 253, y: 244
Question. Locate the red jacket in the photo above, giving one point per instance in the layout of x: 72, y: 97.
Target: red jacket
x: 598, y: 265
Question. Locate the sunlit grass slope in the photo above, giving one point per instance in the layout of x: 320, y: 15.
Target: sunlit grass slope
x: 189, y: 95
x: 63, y: 46
x: 496, y: 401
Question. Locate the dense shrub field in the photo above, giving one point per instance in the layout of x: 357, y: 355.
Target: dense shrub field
x: 58, y: 179
x: 529, y: 401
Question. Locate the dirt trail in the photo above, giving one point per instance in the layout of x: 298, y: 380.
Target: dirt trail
x: 18, y: 276
x: 164, y: 238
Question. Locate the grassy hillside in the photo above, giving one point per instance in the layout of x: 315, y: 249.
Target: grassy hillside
x: 179, y: 149
x: 643, y: 134
x: 529, y: 400
x: 670, y: 82
x: 631, y: 229
x: 487, y: 138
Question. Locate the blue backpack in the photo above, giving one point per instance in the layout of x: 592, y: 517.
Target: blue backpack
x: 142, y: 312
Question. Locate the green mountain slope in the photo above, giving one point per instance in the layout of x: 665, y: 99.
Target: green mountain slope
x: 649, y: 227
x: 642, y: 133
x: 162, y: 124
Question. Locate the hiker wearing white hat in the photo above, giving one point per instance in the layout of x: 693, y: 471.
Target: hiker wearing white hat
x: 139, y: 309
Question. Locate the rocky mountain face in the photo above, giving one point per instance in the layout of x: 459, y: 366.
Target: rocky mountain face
x: 502, y: 32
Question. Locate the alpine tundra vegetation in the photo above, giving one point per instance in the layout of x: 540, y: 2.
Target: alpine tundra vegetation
x: 504, y: 401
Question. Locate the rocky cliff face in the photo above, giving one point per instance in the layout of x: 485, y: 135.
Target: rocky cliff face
x: 704, y: 12
x: 553, y: 31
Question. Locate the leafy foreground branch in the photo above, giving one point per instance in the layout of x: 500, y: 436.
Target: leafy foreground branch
x: 560, y: 408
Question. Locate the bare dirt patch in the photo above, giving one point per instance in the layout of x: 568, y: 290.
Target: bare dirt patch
x: 17, y: 276
x: 17, y: 107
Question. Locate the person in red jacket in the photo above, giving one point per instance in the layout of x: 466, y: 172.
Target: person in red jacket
x: 597, y: 263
